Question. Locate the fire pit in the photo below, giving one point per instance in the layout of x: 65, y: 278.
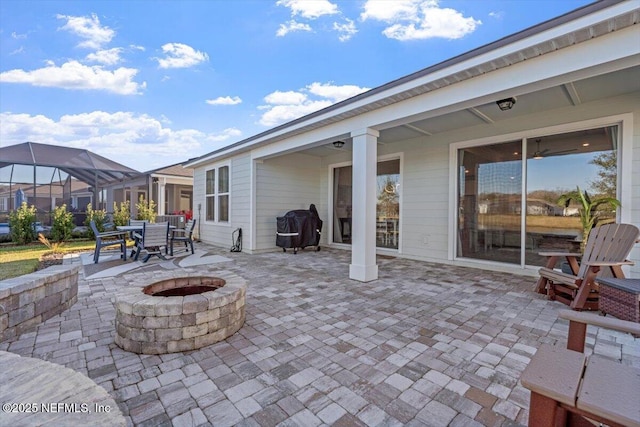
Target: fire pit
x: 179, y: 313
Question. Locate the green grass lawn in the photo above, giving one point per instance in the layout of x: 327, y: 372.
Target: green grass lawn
x: 18, y: 260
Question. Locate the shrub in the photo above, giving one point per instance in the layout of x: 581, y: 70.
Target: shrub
x: 146, y: 211
x: 62, y: 224
x: 22, y: 226
x: 98, y: 216
x: 122, y: 214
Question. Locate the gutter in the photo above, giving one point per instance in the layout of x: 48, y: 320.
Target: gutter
x: 297, y: 126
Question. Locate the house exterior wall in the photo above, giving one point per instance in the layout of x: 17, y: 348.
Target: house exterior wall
x: 428, y: 190
x: 293, y: 181
x: 282, y: 184
x: 546, y: 62
x: 220, y: 234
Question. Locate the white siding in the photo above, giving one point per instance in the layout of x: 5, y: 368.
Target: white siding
x: 425, y: 198
x: 219, y: 234
x: 293, y: 181
x: 427, y: 190
x: 283, y: 184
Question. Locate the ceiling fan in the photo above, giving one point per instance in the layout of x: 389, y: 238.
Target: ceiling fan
x: 537, y: 155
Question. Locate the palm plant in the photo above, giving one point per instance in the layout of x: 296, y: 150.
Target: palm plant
x: 590, y: 209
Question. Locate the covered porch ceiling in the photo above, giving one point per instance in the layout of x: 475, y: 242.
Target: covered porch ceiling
x: 569, y: 94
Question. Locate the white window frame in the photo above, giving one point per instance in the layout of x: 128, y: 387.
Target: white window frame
x: 217, y: 195
x: 625, y: 152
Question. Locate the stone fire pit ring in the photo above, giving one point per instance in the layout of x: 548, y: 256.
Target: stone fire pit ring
x: 148, y: 324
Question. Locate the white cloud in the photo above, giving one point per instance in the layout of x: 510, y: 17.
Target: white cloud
x: 391, y: 10
x: 106, y: 56
x: 89, y: 29
x: 17, y: 51
x: 225, y: 135
x: 284, y: 113
x: 333, y: 92
x: 292, y: 26
x: 346, y: 29
x: 224, y: 100
x: 116, y: 136
x: 179, y: 55
x: 285, y: 98
x: 285, y: 106
x: 310, y: 9
x: 18, y: 36
x: 418, y: 19
x: 497, y: 15
x: 76, y: 76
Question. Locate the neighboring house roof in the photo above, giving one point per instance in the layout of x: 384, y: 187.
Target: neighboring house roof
x: 81, y: 164
x: 175, y: 170
x: 530, y: 43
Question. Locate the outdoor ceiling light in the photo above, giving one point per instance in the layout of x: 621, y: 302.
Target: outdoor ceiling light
x: 507, y: 103
x: 338, y: 144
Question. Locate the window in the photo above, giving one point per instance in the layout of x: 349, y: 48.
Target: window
x: 217, y: 194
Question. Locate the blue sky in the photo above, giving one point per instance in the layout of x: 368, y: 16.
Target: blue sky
x: 153, y: 83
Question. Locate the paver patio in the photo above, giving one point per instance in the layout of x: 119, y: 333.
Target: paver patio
x: 426, y: 344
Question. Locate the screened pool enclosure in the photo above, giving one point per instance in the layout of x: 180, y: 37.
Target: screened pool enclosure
x: 47, y: 176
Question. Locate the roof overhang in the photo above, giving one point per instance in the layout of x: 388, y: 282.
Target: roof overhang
x: 550, y: 53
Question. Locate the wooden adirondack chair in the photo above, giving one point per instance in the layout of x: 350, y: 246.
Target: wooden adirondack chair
x: 608, y: 245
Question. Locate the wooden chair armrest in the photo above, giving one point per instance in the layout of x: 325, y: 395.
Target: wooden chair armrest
x: 607, y: 264
x: 579, y: 320
x: 559, y: 254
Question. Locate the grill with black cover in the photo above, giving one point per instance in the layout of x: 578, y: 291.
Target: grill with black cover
x: 298, y: 229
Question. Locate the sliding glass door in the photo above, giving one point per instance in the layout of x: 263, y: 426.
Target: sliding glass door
x: 557, y: 165
x: 490, y: 200
x: 387, y: 206
x: 496, y: 224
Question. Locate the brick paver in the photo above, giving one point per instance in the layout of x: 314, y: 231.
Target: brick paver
x: 426, y: 344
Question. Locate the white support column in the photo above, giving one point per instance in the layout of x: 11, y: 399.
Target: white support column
x: 363, y: 232
x: 162, y: 183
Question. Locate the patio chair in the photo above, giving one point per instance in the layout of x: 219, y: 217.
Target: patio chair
x: 151, y: 240
x: 570, y: 388
x: 609, y: 246
x: 183, y: 235
x: 109, y: 238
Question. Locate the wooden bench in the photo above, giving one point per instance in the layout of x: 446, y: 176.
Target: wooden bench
x: 567, y: 386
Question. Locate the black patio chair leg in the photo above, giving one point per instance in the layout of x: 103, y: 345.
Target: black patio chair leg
x: 96, y: 252
x: 191, y: 243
